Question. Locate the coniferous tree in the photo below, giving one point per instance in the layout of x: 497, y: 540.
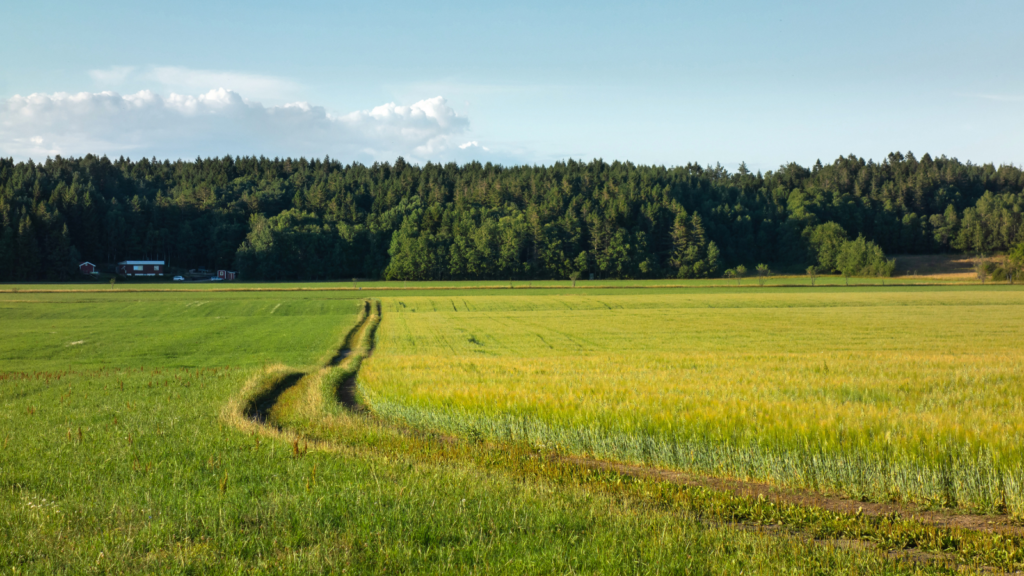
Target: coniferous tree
x: 613, y: 220
x: 27, y: 261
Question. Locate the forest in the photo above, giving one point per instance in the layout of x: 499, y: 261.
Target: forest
x: 299, y: 219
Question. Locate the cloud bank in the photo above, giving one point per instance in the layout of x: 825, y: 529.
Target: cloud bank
x: 222, y: 122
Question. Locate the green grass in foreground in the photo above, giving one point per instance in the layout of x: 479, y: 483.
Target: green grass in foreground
x: 904, y: 394
x: 106, y: 467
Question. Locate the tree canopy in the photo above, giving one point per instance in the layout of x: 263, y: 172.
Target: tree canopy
x: 319, y: 219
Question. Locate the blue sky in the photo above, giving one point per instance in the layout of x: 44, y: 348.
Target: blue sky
x: 526, y: 82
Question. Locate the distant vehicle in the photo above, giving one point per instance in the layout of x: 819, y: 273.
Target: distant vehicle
x: 216, y: 279
x: 179, y: 278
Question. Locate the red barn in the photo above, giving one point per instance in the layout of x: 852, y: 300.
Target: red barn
x: 141, y: 268
x: 226, y: 274
x: 87, y: 268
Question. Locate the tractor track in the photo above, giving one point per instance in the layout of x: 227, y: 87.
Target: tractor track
x: 279, y: 381
x: 259, y: 409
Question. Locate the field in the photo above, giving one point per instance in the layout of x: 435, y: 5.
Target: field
x: 750, y: 281
x: 884, y: 395
x: 153, y: 432
x: 171, y: 329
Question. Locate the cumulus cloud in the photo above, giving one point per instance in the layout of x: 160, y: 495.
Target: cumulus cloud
x: 222, y: 122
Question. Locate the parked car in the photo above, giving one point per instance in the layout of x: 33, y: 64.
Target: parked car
x: 216, y: 279
x: 179, y: 278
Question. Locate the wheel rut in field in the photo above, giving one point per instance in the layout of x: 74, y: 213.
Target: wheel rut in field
x: 341, y: 355
x: 346, y: 395
x: 279, y: 388
x: 259, y: 408
x: 361, y: 339
x: 354, y: 340
x: 351, y: 341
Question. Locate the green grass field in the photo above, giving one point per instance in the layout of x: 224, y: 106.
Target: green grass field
x: 56, y: 331
x: 119, y: 454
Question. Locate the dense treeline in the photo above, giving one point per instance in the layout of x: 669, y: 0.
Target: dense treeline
x: 318, y: 219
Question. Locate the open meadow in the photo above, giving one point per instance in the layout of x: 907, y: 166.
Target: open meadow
x: 210, y: 432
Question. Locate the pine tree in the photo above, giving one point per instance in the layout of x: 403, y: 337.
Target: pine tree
x: 27, y: 262
x: 8, y: 253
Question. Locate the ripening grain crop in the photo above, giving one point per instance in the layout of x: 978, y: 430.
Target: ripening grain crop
x: 896, y: 394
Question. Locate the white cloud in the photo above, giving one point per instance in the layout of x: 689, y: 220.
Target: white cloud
x: 472, y: 144
x: 222, y: 122
x: 191, y: 81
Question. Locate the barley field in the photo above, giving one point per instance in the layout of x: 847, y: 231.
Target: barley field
x: 887, y: 394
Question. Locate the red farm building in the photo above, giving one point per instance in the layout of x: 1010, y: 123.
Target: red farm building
x: 141, y: 268
x: 226, y: 274
x: 87, y: 268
